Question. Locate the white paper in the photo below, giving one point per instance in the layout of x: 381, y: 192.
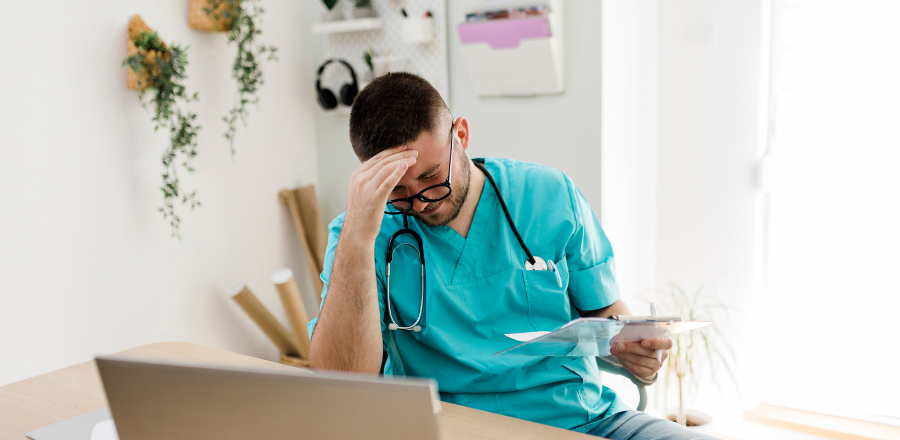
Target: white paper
x: 525, y: 337
x: 105, y: 430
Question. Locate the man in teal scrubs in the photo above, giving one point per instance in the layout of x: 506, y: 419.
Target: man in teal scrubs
x: 476, y: 286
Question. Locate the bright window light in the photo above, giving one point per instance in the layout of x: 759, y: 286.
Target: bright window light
x: 833, y: 214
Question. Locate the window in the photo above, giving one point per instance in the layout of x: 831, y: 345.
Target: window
x: 833, y: 208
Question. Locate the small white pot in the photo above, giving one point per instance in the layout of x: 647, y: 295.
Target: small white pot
x: 417, y: 29
x: 334, y: 14
x: 363, y: 12
x: 382, y: 65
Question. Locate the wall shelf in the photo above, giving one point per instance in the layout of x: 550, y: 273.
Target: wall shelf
x: 359, y: 24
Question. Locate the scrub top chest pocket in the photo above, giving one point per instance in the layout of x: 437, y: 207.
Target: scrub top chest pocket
x: 548, y: 302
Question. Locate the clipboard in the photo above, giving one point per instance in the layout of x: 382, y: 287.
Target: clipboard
x: 593, y: 336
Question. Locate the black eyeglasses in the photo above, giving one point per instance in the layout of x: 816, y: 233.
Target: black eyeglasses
x: 431, y: 194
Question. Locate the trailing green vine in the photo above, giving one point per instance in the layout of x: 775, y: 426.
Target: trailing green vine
x: 161, y: 74
x: 246, y: 19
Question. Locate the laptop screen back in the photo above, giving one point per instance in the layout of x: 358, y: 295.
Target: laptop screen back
x: 152, y: 400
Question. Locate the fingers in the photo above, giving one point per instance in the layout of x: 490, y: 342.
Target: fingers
x: 644, y: 361
x: 389, y: 176
x: 409, y: 157
x: 380, y: 156
x: 639, y: 370
x: 634, y: 348
x: 657, y: 344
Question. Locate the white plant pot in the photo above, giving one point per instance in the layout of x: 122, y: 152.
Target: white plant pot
x: 417, y: 29
x: 382, y: 65
x: 333, y: 14
x: 695, y: 419
x: 363, y: 12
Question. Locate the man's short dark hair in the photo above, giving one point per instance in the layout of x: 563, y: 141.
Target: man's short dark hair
x: 395, y: 109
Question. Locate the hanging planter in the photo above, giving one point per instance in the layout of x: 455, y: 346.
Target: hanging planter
x: 157, y: 71
x: 212, y: 15
x: 141, y: 79
x: 243, y: 19
x: 363, y: 9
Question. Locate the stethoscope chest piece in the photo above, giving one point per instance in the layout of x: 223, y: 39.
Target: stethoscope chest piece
x: 539, y: 264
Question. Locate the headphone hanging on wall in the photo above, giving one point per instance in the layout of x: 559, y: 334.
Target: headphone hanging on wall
x: 347, y: 93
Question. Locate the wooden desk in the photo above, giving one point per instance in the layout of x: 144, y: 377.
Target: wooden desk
x: 54, y: 397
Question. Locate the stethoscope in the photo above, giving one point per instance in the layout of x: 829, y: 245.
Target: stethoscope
x: 532, y: 263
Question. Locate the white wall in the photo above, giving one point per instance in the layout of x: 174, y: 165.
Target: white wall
x: 87, y: 265
x: 680, y: 146
x: 628, y: 137
x: 708, y: 139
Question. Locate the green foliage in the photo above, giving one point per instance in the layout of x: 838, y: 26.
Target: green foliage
x: 246, y: 68
x: 367, y: 57
x: 162, y: 71
x: 362, y: 3
x: 329, y: 3
x: 697, y: 354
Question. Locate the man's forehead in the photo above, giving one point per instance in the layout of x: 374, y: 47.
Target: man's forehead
x: 433, y: 153
x: 428, y: 142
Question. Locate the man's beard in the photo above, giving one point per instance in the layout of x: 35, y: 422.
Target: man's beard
x: 456, y: 199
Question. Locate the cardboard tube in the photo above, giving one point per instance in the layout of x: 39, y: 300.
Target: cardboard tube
x: 293, y: 307
x: 290, y: 198
x: 263, y: 319
x: 311, y: 215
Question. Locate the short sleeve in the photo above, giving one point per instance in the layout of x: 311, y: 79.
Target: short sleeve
x: 334, y: 232
x: 592, y: 266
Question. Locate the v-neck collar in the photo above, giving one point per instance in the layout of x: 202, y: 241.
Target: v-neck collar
x: 465, y: 267
x: 468, y: 247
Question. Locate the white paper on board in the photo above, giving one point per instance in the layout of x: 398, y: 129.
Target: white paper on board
x: 525, y: 337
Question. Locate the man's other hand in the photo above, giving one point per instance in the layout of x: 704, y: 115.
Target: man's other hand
x: 640, y: 357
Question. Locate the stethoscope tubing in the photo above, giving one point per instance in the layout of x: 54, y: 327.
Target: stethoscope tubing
x: 506, y: 211
x: 391, y: 248
x: 414, y: 327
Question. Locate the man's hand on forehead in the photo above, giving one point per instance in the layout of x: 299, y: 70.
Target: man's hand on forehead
x: 370, y: 186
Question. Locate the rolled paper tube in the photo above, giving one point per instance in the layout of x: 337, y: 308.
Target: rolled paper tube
x: 263, y: 319
x: 290, y: 198
x: 311, y: 215
x: 293, y: 307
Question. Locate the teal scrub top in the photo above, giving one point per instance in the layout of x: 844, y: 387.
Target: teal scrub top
x: 477, y: 290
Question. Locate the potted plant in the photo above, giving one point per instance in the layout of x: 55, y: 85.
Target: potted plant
x: 369, y: 74
x: 698, y: 355
x: 363, y: 9
x: 157, y: 71
x: 243, y: 19
x: 212, y: 15
x: 332, y: 13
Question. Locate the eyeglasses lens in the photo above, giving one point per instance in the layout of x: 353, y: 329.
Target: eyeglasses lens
x: 436, y: 194
x: 400, y: 206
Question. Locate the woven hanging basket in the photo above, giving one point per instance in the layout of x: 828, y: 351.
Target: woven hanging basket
x: 144, y: 79
x: 199, y: 19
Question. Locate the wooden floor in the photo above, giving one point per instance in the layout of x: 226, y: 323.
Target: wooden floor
x: 778, y: 423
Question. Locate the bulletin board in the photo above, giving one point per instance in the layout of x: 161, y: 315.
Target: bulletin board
x: 428, y: 60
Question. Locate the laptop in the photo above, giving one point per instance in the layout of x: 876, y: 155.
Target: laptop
x: 172, y: 400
